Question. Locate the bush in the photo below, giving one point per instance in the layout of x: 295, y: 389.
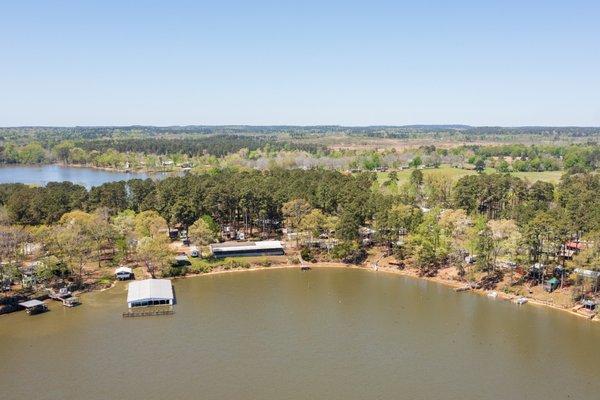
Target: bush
x: 105, y: 281
x: 175, y: 270
x: 349, y: 252
x: 307, y: 254
x: 265, y: 262
x: 232, y: 263
x: 293, y: 260
x: 200, y: 267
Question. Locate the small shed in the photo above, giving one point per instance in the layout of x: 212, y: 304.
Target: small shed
x: 551, y: 284
x: 589, y: 304
x: 182, y: 260
x: 123, y: 273
x: 150, y: 292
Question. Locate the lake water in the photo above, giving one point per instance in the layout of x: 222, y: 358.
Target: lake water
x: 285, y: 334
x: 88, y: 177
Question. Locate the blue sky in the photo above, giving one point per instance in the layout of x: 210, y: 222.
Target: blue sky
x: 306, y: 62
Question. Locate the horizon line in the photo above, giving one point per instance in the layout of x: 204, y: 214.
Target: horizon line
x: 301, y: 126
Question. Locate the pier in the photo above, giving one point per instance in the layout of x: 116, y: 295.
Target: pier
x: 148, y: 313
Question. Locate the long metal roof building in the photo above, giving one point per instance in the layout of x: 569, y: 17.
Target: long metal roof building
x: 238, y: 249
x: 150, y: 292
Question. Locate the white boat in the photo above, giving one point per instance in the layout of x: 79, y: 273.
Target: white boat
x: 521, y: 300
x: 492, y: 294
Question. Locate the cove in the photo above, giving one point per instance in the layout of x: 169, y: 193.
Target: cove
x: 329, y: 333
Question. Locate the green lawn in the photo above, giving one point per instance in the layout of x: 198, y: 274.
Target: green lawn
x: 455, y: 174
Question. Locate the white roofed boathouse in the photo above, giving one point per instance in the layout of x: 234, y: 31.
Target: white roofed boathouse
x: 150, y: 292
x: 248, y: 249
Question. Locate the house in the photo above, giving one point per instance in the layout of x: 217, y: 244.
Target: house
x: 28, y: 276
x: 570, y: 249
x: 124, y: 273
x: 150, y: 292
x: 245, y: 249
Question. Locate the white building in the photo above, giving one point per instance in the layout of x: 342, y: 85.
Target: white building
x: 237, y: 249
x: 150, y: 292
x: 123, y: 273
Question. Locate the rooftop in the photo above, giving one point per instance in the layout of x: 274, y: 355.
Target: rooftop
x: 31, y: 303
x: 149, y: 289
x: 233, y: 246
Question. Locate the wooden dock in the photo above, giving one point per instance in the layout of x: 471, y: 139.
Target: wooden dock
x: 66, y: 300
x: 148, y: 313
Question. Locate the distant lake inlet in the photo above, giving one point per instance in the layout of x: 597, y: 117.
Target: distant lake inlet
x: 42, y: 174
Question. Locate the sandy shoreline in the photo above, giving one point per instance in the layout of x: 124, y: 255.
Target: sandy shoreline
x: 449, y: 283
x: 402, y: 272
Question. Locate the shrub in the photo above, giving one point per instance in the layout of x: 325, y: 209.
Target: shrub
x: 265, y: 262
x: 200, y: 267
x: 232, y: 263
x: 293, y: 260
x: 349, y: 252
x: 175, y: 270
x: 307, y: 254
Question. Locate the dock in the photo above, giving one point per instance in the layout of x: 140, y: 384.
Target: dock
x: 65, y: 298
x: 34, y: 307
x: 148, y: 313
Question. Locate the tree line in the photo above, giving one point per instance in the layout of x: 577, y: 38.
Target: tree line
x: 93, y: 150
x: 430, y: 223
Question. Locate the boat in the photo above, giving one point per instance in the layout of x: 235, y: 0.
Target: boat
x: 492, y: 294
x: 521, y: 300
x: 71, y: 302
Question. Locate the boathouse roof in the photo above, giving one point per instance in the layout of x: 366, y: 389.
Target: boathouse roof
x: 149, y: 289
x: 31, y: 303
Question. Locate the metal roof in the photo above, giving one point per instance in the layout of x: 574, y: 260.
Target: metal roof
x: 587, y: 273
x: 31, y: 303
x: 237, y: 246
x: 150, y: 289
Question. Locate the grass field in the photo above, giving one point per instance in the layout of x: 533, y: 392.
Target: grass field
x: 455, y: 174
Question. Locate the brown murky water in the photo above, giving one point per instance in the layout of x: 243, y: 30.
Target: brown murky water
x: 286, y: 334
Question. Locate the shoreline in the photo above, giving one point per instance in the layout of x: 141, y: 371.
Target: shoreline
x: 149, y: 171
x: 450, y: 284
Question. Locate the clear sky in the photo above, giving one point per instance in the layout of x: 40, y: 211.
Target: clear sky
x: 305, y: 62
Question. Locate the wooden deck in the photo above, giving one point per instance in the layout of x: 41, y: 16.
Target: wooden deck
x: 66, y: 300
x: 148, y: 313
